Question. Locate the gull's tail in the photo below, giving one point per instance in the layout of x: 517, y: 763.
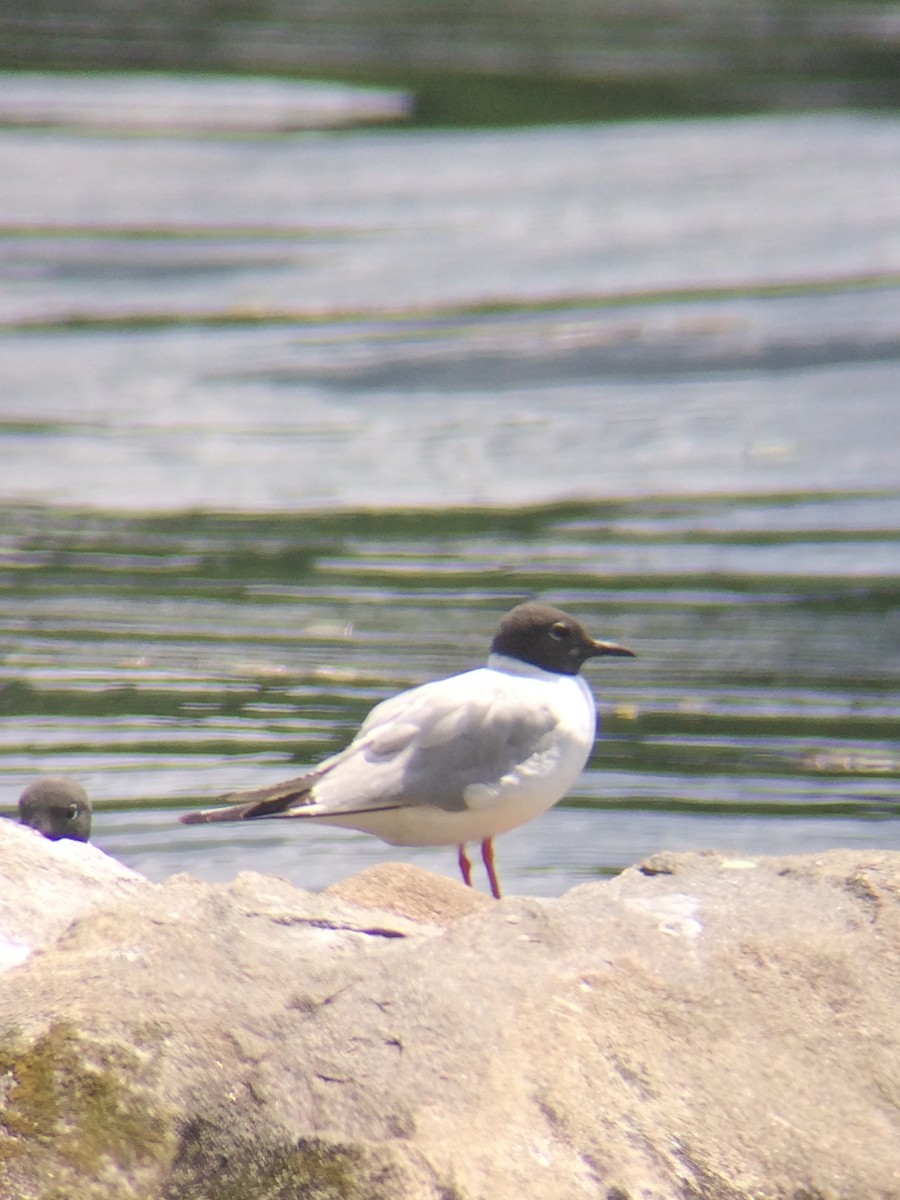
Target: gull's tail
x: 275, y: 801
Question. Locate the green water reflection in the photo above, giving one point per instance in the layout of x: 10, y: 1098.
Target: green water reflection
x: 272, y: 635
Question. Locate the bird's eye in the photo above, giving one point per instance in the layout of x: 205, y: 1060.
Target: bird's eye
x: 559, y: 632
x: 71, y: 812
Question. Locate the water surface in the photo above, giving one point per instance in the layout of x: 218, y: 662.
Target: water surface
x: 164, y: 660
x: 287, y: 423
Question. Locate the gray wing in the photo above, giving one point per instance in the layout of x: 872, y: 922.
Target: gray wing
x: 424, y: 746
x: 428, y: 745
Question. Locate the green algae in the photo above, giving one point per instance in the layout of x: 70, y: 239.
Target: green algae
x: 73, y: 1122
x: 70, y: 1112
x: 214, y: 1165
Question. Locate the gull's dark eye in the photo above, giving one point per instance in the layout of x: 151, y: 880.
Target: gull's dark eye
x: 559, y: 632
x: 71, y: 812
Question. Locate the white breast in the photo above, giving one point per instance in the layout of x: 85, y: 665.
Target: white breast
x: 544, y: 778
x: 526, y: 790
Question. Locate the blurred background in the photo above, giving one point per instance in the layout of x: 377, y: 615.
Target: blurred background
x: 329, y: 331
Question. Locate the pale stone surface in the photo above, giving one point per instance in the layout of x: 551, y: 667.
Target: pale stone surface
x: 411, y: 892
x: 701, y: 1026
x: 46, y: 884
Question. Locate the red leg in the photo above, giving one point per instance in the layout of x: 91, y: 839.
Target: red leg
x: 465, y: 866
x: 487, y: 854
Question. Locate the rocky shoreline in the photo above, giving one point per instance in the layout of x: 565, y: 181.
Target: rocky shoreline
x: 700, y: 1026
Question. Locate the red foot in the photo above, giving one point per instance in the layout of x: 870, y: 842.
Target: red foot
x: 465, y: 866
x: 487, y: 854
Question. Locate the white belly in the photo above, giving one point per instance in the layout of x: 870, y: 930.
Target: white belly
x: 522, y: 794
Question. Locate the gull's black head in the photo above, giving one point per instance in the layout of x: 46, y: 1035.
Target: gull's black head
x: 550, y: 639
x: 56, y: 807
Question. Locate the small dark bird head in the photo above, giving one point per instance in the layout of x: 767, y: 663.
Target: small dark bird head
x: 550, y: 639
x: 56, y: 807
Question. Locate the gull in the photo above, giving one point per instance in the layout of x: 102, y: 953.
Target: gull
x: 460, y: 759
x: 57, y: 807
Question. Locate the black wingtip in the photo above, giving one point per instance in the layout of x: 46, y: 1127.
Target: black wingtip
x: 266, y: 806
x: 208, y: 815
x: 193, y: 818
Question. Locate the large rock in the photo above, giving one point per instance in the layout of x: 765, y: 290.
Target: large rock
x: 44, y: 885
x: 699, y: 1027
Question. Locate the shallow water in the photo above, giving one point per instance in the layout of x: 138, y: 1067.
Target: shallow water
x: 165, y: 660
x: 287, y: 423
